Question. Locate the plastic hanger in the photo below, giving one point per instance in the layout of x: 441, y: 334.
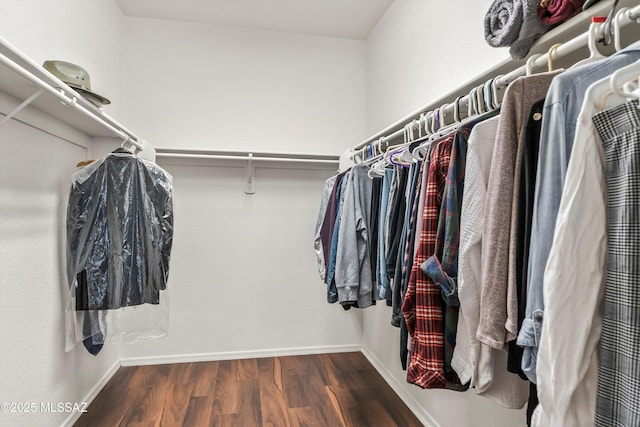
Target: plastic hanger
x: 605, y: 35
x: 456, y: 109
x: 494, y: 91
x: 625, y: 82
x: 417, y: 147
x: 482, y: 104
x: 531, y: 63
x: 471, y: 105
x: 487, y: 94
x: 442, y: 121
x: 490, y: 94
x: 616, y: 28
x: 594, y: 53
x: 612, y: 91
x: 550, y: 53
x: 434, y: 119
x: 406, y: 157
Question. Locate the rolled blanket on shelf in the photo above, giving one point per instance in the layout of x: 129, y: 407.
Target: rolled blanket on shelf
x: 513, y: 23
x: 502, y: 22
x: 553, y: 12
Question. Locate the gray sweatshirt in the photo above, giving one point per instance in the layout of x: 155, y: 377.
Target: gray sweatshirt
x: 353, y: 266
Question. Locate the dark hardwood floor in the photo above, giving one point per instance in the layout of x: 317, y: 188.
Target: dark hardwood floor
x: 325, y: 390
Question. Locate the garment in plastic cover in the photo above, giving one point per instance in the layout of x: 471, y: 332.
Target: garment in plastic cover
x: 119, y: 237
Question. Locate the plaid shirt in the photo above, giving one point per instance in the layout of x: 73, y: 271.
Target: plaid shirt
x: 442, y: 267
x: 422, y: 306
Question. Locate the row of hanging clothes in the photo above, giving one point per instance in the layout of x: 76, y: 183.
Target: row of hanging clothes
x: 507, y: 244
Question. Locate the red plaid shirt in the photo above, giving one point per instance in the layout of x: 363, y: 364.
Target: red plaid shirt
x: 423, y: 306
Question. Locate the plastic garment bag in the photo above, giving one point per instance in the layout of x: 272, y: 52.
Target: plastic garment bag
x: 119, y: 237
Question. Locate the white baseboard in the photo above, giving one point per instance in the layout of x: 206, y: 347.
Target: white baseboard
x: 399, y: 387
x: 74, y: 416
x: 232, y: 355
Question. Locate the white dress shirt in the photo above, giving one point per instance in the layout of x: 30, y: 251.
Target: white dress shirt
x: 473, y: 360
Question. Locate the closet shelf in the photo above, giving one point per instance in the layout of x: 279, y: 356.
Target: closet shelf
x: 311, y: 161
x: 574, y: 29
x: 30, y: 84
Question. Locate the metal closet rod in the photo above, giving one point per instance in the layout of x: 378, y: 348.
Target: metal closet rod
x: 500, y: 82
x: 261, y: 156
x: 62, y: 92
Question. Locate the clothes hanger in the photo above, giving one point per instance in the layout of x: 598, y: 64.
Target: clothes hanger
x: 490, y: 93
x: 471, y: 105
x: 592, y: 41
x: 456, y: 109
x: 435, y: 120
x: 623, y: 84
x: 616, y: 28
x: 605, y: 36
x: 446, y: 130
x: 621, y: 81
x: 407, y: 155
x: 482, y: 102
x: 417, y: 147
x: 442, y: 121
x: 494, y: 91
x: 377, y: 169
x: 484, y: 107
x: 531, y: 63
x: 375, y: 151
x: 550, y: 53
x: 126, y: 147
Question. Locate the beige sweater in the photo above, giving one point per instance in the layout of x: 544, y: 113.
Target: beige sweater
x: 499, y: 305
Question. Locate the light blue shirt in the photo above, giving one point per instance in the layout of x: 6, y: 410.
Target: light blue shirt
x: 384, y: 287
x: 561, y: 109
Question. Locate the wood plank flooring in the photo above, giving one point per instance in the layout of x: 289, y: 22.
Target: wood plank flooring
x: 325, y: 390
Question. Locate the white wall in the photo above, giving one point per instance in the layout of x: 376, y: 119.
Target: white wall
x: 35, y: 171
x: 243, y: 278
x: 419, y: 51
x: 205, y: 86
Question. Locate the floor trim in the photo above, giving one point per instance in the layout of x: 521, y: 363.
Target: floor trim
x: 233, y: 355
x: 74, y: 416
x: 400, y: 389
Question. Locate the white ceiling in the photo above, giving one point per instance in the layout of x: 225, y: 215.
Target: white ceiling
x: 351, y: 19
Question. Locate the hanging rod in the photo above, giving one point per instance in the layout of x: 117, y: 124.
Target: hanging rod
x: 246, y: 155
x: 58, y: 89
x: 500, y: 82
x: 250, y: 157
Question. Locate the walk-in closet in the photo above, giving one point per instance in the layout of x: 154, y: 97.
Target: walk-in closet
x: 319, y: 213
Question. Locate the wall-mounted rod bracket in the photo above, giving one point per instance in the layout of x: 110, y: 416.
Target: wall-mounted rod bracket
x: 21, y: 107
x: 250, y: 176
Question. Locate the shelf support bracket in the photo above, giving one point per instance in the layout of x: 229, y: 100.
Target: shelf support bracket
x: 250, y: 176
x: 21, y: 107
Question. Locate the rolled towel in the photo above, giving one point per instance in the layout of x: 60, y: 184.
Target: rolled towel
x: 503, y: 21
x: 553, y: 12
x: 513, y: 23
x: 530, y: 31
